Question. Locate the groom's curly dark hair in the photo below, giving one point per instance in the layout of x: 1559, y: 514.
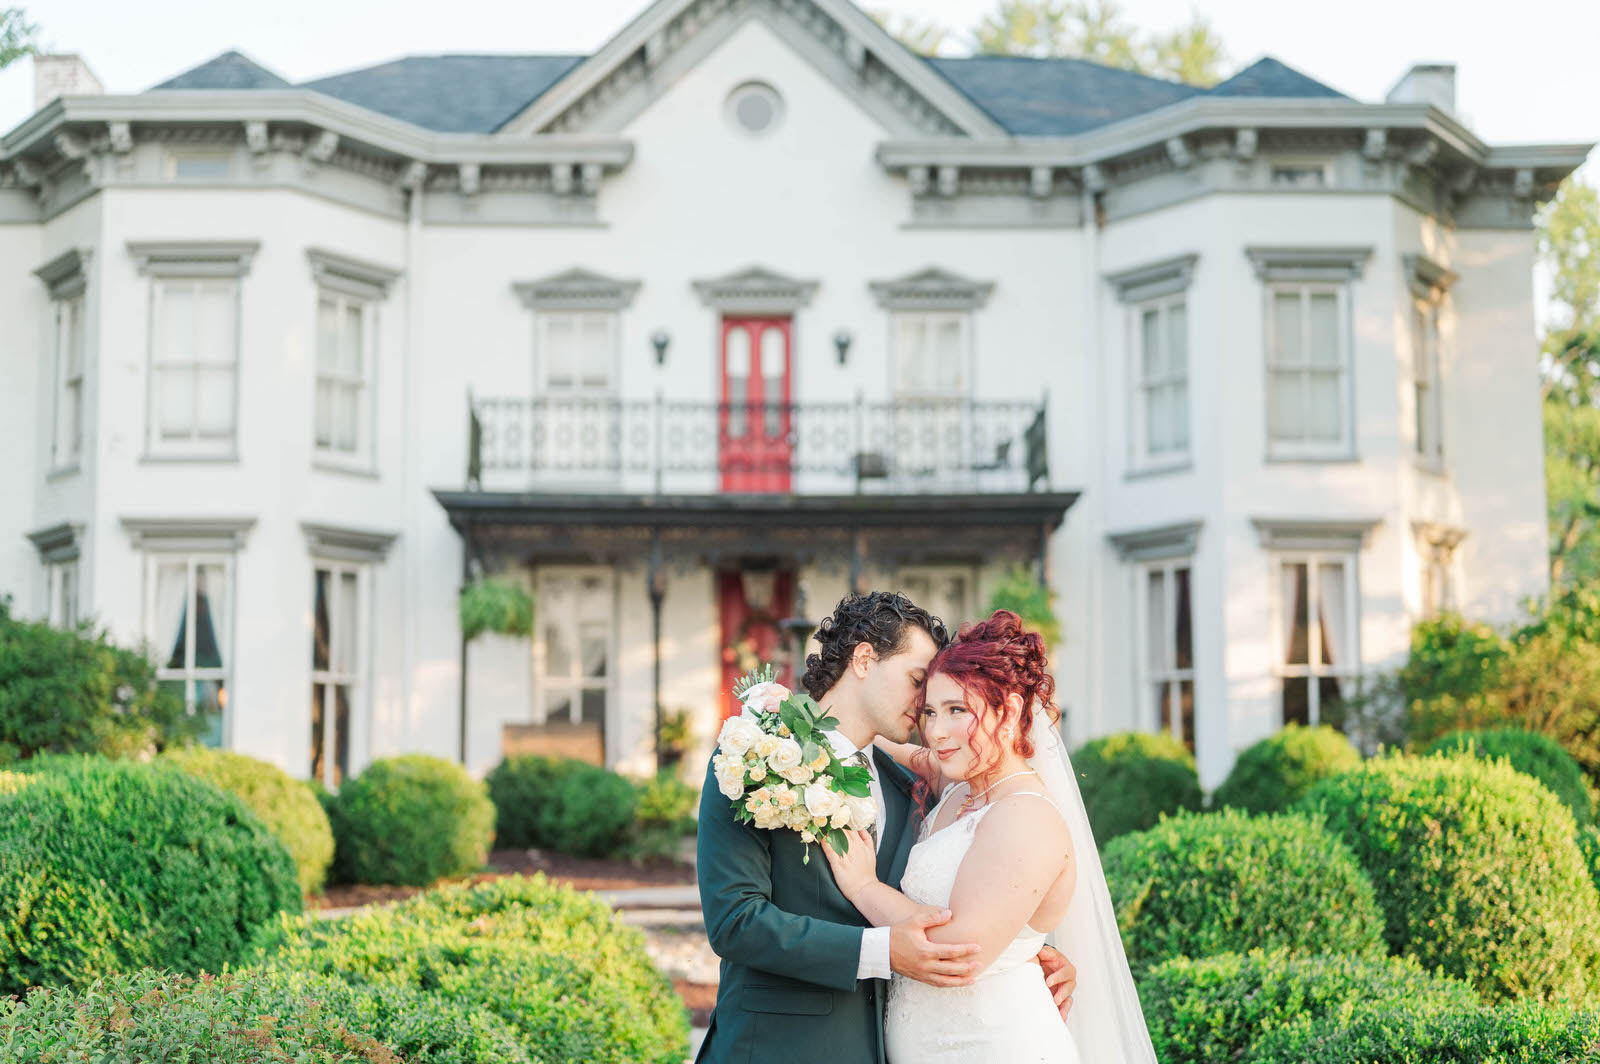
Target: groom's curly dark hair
x: 880, y: 619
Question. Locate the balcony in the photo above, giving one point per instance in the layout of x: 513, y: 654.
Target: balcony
x: 680, y: 448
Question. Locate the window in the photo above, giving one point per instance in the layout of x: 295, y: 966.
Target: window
x: 1308, y: 348
x: 189, y: 610
x: 1161, y: 407
x: 194, y: 346
x: 188, y: 618
x: 930, y: 355
x: 337, y: 649
x: 61, y: 590
x: 1318, y: 656
x: 1436, y: 551
x: 946, y: 591
x: 1167, y: 636
x: 1425, y: 379
x: 1308, y: 397
x: 577, y: 353
x: 68, y: 441
x: 574, y: 655
x: 343, y: 416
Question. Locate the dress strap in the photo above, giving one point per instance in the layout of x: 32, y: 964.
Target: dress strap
x: 1032, y: 794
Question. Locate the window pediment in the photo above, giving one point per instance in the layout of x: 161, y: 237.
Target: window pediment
x: 1427, y: 278
x: 576, y: 289
x: 367, y: 280
x: 1155, y: 544
x: 1340, y: 534
x: 59, y: 543
x: 188, y: 534
x: 756, y: 290
x: 193, y: 258
x: 1328, y: 264
x: 66, y: 275
x: 1164, y: 278
x: 932, y: 289
x: 347, y: 544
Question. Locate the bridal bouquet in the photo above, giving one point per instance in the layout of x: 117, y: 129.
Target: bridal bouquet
x: 778, y: 768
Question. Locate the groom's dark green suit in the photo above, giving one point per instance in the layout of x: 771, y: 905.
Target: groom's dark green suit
x: 789, y: 941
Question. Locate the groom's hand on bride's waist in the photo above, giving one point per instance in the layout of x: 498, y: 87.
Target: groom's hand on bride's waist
x: 915, y: 957
x: 1059, y: 976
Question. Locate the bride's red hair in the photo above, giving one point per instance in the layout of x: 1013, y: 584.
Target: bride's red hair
x: 992, y: 660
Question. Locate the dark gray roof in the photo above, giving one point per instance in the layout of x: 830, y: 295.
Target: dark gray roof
x: 230, y: 70
x: 451, y: 93
x: 1043, y: 97
x: 1268, y: 77
x: 480, y: 93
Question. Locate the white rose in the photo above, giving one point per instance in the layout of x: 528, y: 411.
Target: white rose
x: 730, y: 777
x: 768, y: 818
x: 823, y: 802
x: 758, y: 770
x: 862, y: 812
x: 765, y: 697
x: 738, y: 735
x: 765, y: 745
x: 786, y: 756
x: 841, y: 819
x: 800, y: 775
x: 786, y: 797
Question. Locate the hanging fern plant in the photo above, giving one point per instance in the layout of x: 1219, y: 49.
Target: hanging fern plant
x: 491, y: 605
x: 1021, y: 593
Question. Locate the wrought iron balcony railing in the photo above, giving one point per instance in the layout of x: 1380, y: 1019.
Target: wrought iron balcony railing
x: 677, y: 447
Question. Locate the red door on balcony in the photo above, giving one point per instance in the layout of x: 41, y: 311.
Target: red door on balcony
x: 756, y: 421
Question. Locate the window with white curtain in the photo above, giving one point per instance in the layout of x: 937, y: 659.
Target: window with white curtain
x: 577, y: 352
x: 344, y: 400
x: 338, y: 650
x: 194, y: 366
x: 61, y: 590
x: 1167, y: 635
x: 946, y: 591
x: 931, y: 350
x: 189, y: 622
x: 1429, y: 437
x: 67, y: 443
x: 576, y: 621
x: 1161, y: 405
x: 1318, y: 655
x: 1308, y: 371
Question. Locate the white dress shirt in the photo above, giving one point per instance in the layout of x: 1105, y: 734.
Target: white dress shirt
x: 874, y: 962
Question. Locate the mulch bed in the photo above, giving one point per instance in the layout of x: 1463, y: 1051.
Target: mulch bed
x: 583, y: 873
x: 699, y: 997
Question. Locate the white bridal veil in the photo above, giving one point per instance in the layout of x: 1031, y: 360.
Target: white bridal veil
x: 1106, y: 1021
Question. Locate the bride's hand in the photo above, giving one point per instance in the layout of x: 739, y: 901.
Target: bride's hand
x: 856, y: 869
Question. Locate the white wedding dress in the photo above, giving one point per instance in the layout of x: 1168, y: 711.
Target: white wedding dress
x: 1007, y: 1016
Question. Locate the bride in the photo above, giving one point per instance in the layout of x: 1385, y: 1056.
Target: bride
x: 1008, y: 850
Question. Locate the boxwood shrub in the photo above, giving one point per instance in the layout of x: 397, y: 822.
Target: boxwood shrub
x: 1589, y: 846
x: 108, y: 865
x: 1276, y: 772
x: 569, y: 978
x: 1216, y: 1008
x: 1131, y: 779
x: 252, y: 1017
x: 563, y: 805
x: 285, y: 805
x: 1525, y: 1032
x: 413, y: 819
x: 1198, y: 884
x: 1475, y: 870
x: 1530, y: 753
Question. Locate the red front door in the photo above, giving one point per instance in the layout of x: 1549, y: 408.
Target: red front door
x: 755, y: 423
x: 750, y: 633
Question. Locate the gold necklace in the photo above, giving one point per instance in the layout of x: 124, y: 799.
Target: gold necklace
x: 966, y: 804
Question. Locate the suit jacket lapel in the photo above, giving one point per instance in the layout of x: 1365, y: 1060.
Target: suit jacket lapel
x: 895, y: 784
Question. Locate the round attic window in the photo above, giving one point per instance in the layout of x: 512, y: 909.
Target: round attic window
x: 755, y: 107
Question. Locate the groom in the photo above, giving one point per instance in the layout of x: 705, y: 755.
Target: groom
x: 803, y: 976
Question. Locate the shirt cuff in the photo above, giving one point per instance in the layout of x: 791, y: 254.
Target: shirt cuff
x: 874, y: 963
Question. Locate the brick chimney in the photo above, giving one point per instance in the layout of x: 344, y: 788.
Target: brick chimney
x: 1433, y: 83
x: 62, y: 75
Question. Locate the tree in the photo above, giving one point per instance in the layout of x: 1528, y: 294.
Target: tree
x: 921, y: 36
x: 1569, y: 245
x: 17, y: 36
x: 1096, y: 30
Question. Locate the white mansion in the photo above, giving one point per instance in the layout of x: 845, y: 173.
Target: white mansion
x: 754, y: 302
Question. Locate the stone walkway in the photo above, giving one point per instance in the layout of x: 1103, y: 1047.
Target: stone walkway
x: 674, y: 933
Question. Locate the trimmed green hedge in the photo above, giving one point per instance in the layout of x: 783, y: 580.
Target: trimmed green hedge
x: 562, y: 805
x: 1215, y: 1008
x: 71, y: 692
x: 285, y: 805
x: 1198, y: 884
x: 1277, y: 772
x: 1475, y: 869
x: 412, y: 819
x: 570, y: 979
x: 1589, y: 846
x: 1130, y: 780
x: 1524, y: 1032
x: 1530, y: 753
x: 249, y: 1018
x: 108, y: 865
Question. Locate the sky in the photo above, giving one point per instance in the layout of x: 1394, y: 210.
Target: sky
x: 1527, y: 77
